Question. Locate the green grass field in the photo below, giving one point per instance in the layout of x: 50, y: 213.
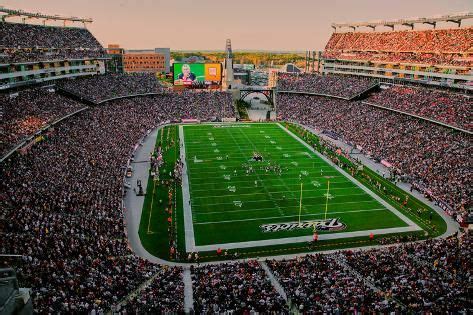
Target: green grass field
x: 232, y: 195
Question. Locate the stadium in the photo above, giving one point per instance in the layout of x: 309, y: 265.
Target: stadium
x: 345, y: 189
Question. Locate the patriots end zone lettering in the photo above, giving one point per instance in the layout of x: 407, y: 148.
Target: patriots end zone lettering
x: 321, y: 225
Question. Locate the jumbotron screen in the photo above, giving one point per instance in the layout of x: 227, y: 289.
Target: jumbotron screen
x: 197, y: 73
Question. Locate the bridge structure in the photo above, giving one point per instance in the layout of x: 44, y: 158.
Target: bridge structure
x: 6, y: 13
x: 264, y: 91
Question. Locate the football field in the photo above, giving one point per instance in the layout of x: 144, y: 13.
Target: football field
x: 247, y: 185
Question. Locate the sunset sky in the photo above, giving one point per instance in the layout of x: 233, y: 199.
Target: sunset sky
x: 251, y: 24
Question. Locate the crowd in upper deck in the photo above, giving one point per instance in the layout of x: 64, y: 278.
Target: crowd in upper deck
x: 29, y: 42
x: 441, y: 46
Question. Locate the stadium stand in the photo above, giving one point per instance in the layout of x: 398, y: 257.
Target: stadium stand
x: 319, y: 284
x: 26, y: 112
x: 425, y: 277
x: 165, y: 294
x: 449, y: 108
x: 438, y: 284
x: 27, y: 42
x: 100, y: 88
x: 413, y: 46
x: 339, y: 86
x: 235, y: 288
x: 71, y: 237
x: 433, y: 157
x: 61, y: 197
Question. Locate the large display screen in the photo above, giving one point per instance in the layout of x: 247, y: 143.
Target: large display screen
x: 197, y: 73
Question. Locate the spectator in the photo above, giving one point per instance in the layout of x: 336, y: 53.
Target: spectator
x: 62, y: 199
x: 449, y: 108
x: 24, y: 113
x: 341, y: 86
x: 442, y: 47
x: 235, y: 288
x: 424, y: 153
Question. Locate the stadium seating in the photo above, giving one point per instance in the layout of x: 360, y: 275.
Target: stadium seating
x: 103, y: 87
x: 420, y: 46
x: 165, y: 294
x: 235, y: 288
x: 28, y: 42
x: 75, y: 254
x: 345, y: 87
x: 71, y: 236
x: 62, y: 226
x: 438, y: 284
x: 449, y: 108
x: 28, y: 111
x: 319, y: 284
x: 424, y: 152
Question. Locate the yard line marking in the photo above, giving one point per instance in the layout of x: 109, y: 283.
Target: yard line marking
x: 290, y: 216
x: 261, y: 209
x: 272, y: 192
x: 259, y: 200
x: 259, y: 179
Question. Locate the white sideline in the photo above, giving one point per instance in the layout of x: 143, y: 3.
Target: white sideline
x: 188, y: 222
x: 307, y: 238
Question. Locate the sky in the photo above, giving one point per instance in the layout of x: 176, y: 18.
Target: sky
x: 286, y: 25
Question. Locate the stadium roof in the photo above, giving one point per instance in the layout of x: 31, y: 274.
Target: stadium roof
x: 455, y: 18
x: 8, y: 13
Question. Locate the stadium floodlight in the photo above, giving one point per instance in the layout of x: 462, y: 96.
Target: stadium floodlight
x: 11, y: 13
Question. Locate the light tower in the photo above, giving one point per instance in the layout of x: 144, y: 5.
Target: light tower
x: 228, y: 82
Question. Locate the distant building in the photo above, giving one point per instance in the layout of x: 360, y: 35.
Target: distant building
x: 143, y: 61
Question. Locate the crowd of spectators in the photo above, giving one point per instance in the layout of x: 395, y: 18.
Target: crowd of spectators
x: 443, y: 46
x: 450, y: 108
x: 340, y: 86
x: 98, y: 88
x: 61, y: 202
x: 29, y: 42
x: 24, y: 113
x: 165, y: 294
x: 319, y: 284
x: 239, y: 288
x: 430, y: 277
x: 15, y: 55
x: 433, y: 156
x: 413, y: 58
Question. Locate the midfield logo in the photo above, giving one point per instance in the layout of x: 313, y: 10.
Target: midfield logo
x: 320, y: 225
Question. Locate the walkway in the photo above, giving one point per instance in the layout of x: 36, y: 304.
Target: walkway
x: 188, y: 292
x: 274, y: 281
